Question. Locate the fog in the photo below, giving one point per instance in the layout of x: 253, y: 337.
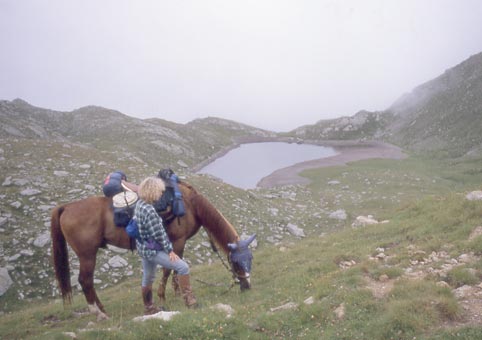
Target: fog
x: 272, y: 64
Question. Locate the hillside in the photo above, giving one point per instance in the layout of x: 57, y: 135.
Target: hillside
x: 111, y: 131
x: 412, y: 270
x: 442, y: 117
x: 442, y: 114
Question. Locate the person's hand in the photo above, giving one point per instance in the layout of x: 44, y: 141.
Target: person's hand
x: 173, y: 256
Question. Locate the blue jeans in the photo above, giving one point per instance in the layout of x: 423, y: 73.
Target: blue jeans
x: 149, y: 267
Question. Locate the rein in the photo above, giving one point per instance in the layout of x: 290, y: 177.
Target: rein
x: 228, y: 268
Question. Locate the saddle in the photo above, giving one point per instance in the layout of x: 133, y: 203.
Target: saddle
x: 124, y: 204
x: 163, y: 205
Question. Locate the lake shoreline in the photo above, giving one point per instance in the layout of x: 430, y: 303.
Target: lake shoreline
x: 347, y: 151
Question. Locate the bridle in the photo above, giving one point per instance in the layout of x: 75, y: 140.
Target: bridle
x: 236, y: 277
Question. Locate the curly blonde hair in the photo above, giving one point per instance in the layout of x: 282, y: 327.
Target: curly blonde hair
x: 151, y: 189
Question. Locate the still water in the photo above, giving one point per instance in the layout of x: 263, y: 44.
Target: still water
x: 246, y: 165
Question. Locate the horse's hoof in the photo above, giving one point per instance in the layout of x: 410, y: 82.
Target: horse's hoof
x: 101, y: 316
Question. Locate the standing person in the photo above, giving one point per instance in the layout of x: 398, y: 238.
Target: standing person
x: 154, y: 246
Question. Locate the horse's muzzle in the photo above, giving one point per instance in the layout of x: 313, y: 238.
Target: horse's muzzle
x: 245, y: 283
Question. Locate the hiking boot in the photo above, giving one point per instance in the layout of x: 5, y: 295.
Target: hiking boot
x: 189, y: 298
x: 149, y: 307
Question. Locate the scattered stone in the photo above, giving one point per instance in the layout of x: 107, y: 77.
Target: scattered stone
x: 5, y: 281
x: 475, y: 233
x: 383, y: 278
x: 463, y: 291
x: 30, y: 192
x: 166, y: 316
x: 224, y: 308
x: 14, y: 257
x: 286, y: 306
x: 466, y: 258
x: 71, y: 335
x: 45, y: 208
x: 84, y: 166
x: 16, y: 204
x: 474, y: 195
x: 335, y: 182
x: 295, y: 230
x: 338, y: 215
x: 117, y: 249
x: 182, y: 164
x: 3, y: 221
x: 442, y: 284
x: 346, y: 264
x: 60, y: 173
x: 340, y: 311
x: 20, y: 181
x: 117, y: 262
x: 26, y: 252
x: 309, y: 301
x: 381, y: 256
x: 362, y: 221
x: 42, y: 240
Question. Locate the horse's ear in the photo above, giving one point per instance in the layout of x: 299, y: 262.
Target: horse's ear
x: 250, y: 239
x: 245, y: 243
x: 232, y: 246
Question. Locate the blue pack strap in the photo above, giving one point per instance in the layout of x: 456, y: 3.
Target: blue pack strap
x: 177, y: 204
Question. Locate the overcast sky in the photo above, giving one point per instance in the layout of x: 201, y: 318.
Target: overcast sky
x: 273, y: 64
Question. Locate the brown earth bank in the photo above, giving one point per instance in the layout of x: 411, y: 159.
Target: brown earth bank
x: 347, y: 151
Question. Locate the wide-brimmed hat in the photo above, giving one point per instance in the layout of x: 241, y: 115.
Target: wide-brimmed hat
x: 124, y: 199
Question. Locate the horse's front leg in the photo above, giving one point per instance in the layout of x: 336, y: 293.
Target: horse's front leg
x: 161, y: 292
x: 86, y: 280
x: 175, y: 285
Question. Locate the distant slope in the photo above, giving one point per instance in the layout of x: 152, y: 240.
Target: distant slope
x: 110, y: 130
x: 442, y: 116
x: 363, y: 125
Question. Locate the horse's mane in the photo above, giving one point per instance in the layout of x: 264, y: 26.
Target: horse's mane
x: 213, y: 221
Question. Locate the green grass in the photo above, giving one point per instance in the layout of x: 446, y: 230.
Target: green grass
x: 428, y: 214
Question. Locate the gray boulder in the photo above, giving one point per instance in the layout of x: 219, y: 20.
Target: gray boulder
x: 474, y: 195
x: 295, y: 230
x: 42, y: 240
x: 5, y: 281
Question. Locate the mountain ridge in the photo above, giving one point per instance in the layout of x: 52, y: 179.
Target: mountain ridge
x: 442, y: 116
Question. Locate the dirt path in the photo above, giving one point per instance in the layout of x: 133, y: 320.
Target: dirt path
x: 348, y: 151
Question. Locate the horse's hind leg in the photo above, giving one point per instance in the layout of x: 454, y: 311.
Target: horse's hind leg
x: 86, y: 280
x: 161, y: 292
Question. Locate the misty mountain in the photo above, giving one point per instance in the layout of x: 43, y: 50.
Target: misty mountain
x: 442, y: 116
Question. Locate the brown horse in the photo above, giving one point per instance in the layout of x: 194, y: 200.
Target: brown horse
x: 88, y: 225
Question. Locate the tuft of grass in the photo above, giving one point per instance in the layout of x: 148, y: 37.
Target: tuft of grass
x: 459, y: 276
x: 475, y: 245
x: 413, y: 308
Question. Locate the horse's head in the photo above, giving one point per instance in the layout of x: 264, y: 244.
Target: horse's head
x: 240, y: 258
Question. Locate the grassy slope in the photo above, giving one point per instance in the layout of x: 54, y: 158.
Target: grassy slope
x: 423, y: 201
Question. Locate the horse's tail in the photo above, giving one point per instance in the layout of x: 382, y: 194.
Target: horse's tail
x: 60, y: 256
